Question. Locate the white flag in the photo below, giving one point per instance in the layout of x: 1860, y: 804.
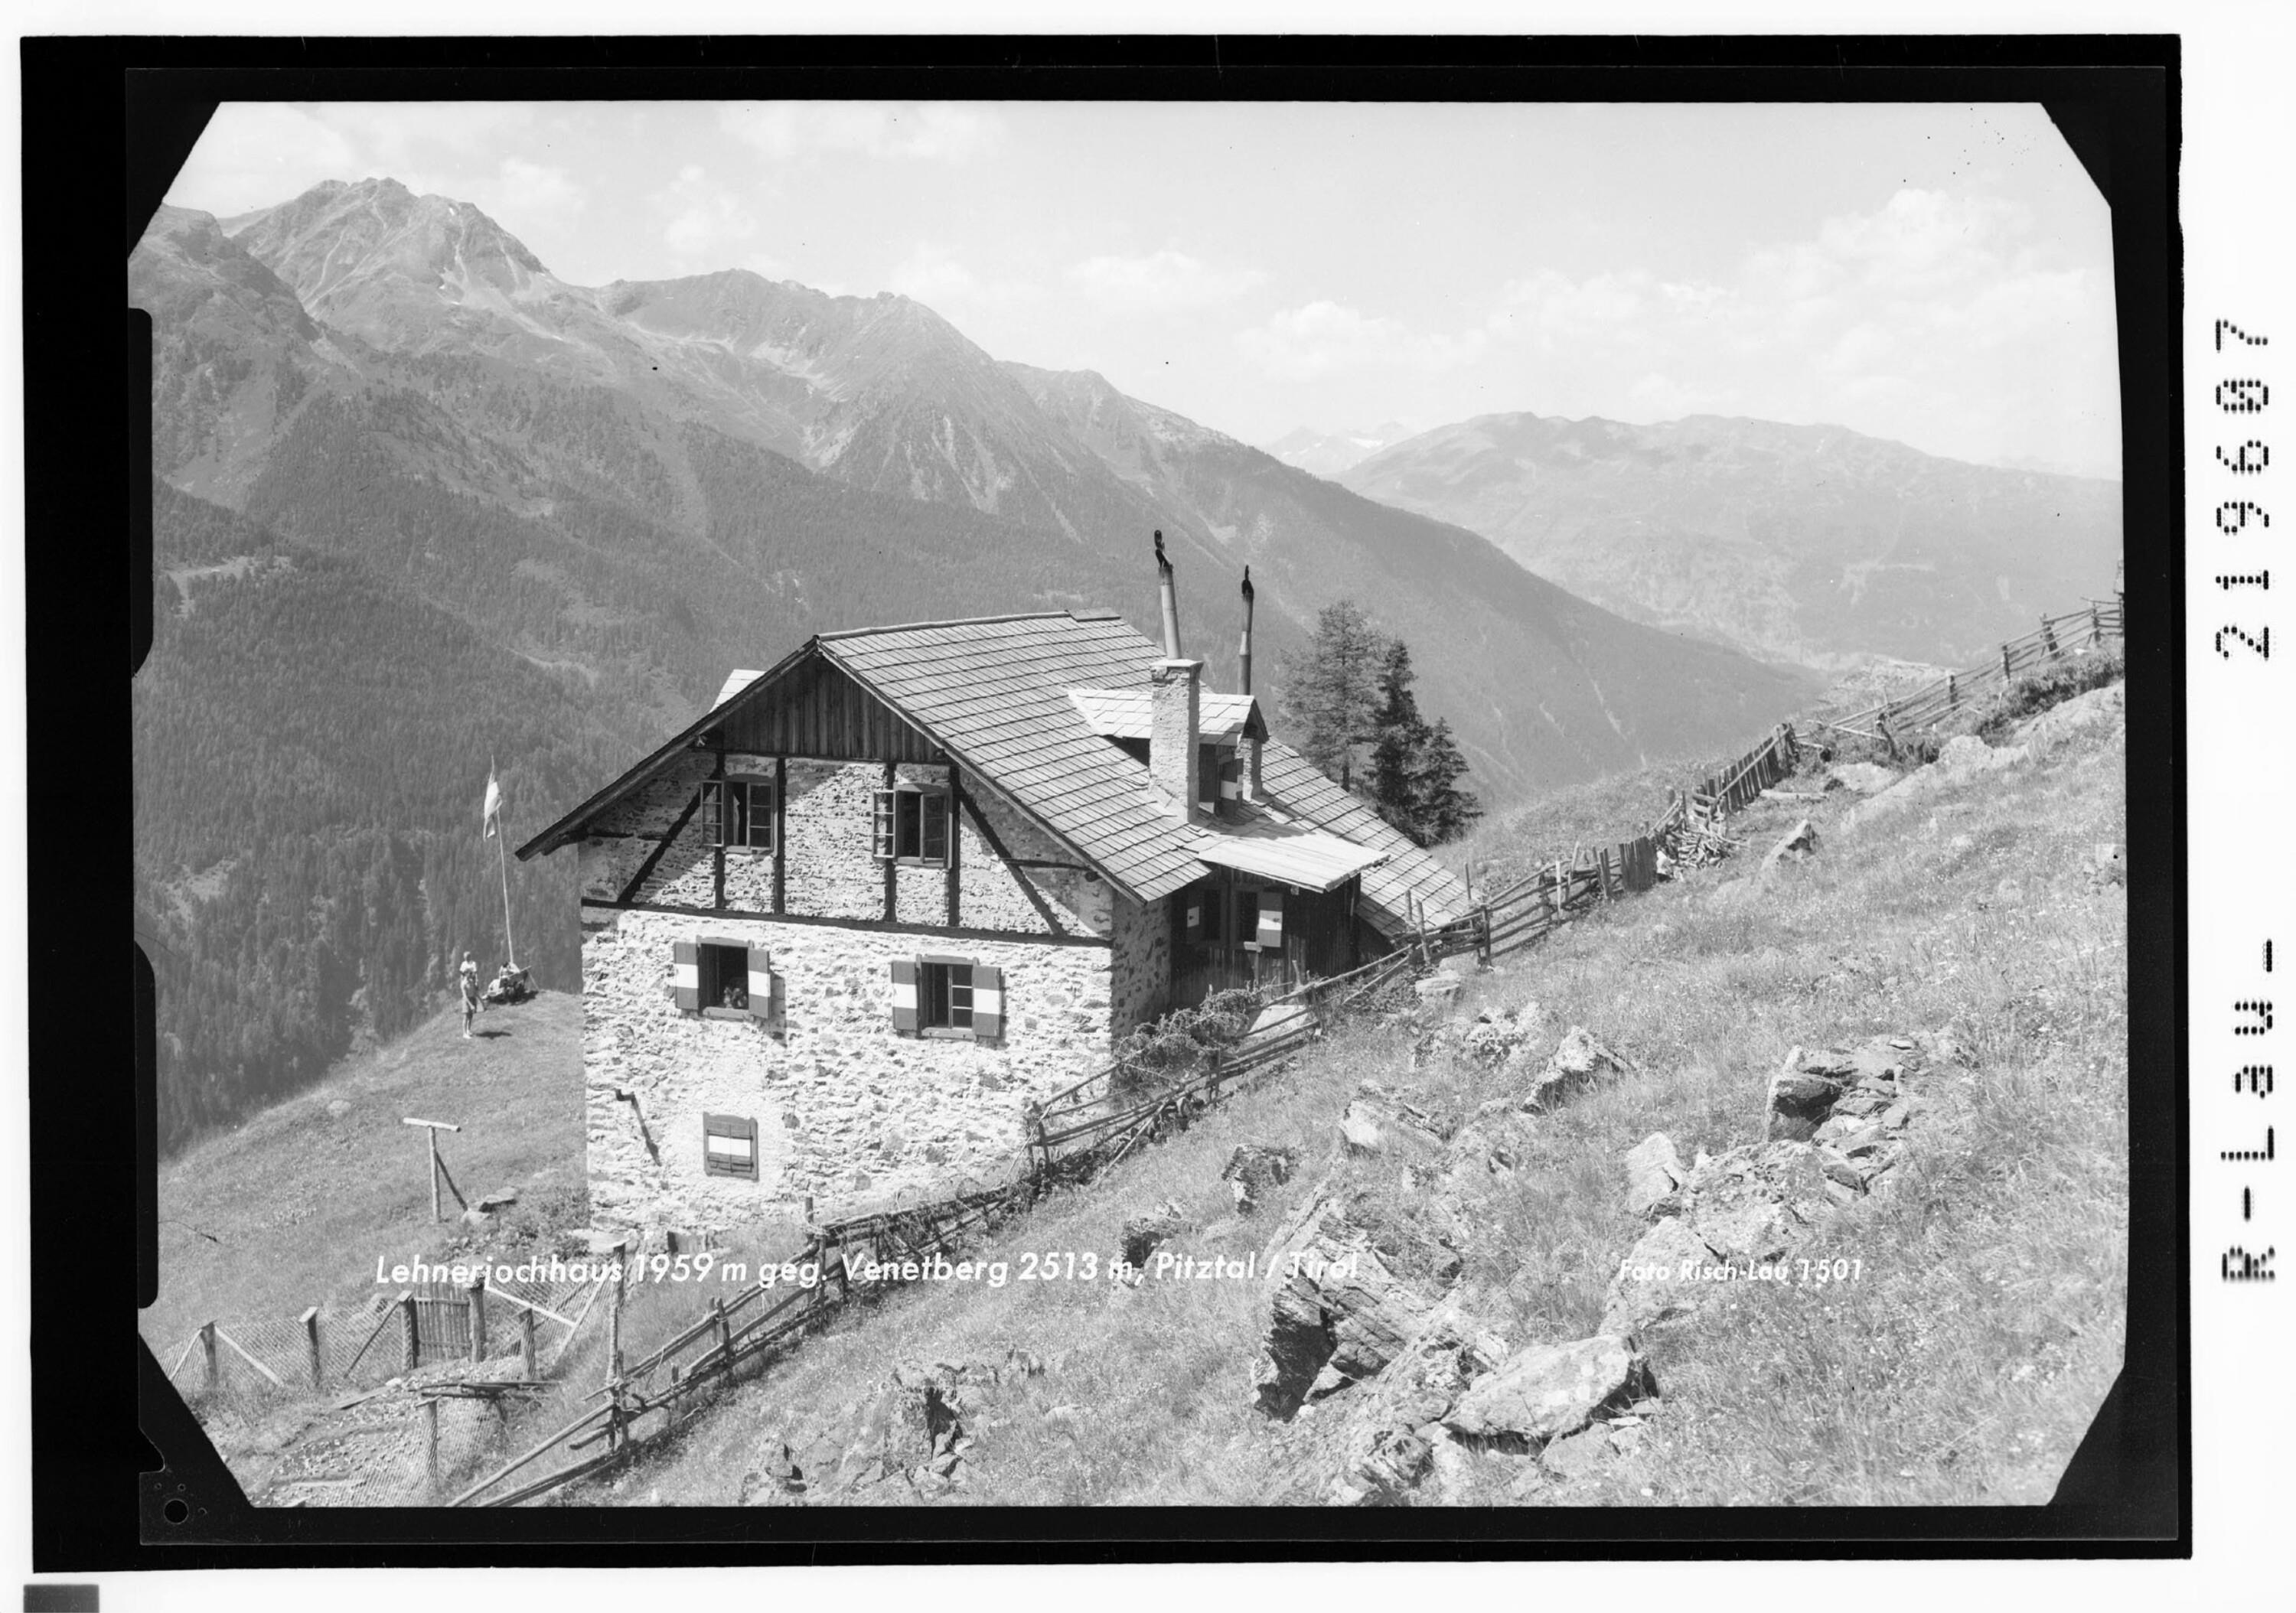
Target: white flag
x: 493, y: 818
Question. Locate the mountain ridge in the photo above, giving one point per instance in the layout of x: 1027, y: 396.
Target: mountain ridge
x: 1813, y: 544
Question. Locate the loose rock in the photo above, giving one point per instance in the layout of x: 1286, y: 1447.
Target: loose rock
x: 1581, y: 1061
x: 1654, y: 1170
x: 1144, y: 1235
x: 1253, y: 1169
x: 1549, y: 1390
x: 1797, y: 845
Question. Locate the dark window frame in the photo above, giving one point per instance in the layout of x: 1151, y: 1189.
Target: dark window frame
x: 755, y: 812
x: 945, y: 997
x: 714, y: 981
x: 907, y: 834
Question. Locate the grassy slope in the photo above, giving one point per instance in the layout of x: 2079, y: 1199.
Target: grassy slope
x: 1963, y: 1367
x: 300, y: 1202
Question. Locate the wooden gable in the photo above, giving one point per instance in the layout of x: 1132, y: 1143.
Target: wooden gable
x: 816, y: 709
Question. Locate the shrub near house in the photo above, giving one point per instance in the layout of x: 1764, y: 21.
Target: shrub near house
x: 839, y: 930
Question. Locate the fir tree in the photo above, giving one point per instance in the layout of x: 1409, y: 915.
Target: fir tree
x: 1331, y: 694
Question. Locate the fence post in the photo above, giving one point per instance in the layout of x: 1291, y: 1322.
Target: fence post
x: 2005, y: 674
x: 477, y: 1313
x: 311, y: 1343
x: 2095, y: 627
x: 208, y: 1349
x: 526, y: 1344
x: 1952, y: 690
x: 2049, y: 638
x: 614, y: 1323
x: 430, y: 1441
x: 411, y: 1329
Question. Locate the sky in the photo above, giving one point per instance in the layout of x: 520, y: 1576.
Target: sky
x: 1937, y: 275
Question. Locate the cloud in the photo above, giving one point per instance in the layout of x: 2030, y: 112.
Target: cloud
x: 707, y: 226
x: 1324, y: 338
x: 523, y: 195
x: 1918, y: 319
x: 259, y: 154
x: 787, y: 131
x: 1165, y: 282
x: 933, y: 275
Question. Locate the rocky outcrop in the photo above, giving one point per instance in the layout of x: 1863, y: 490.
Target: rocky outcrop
x: 1336, y: 1312
x: 1836, y: 1122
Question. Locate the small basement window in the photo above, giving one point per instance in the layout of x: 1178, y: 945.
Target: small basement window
x: 912, y: 826
x: 738, y: 812
x: 729, y: 1146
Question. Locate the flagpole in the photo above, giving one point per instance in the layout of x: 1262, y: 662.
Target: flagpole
x: 502, y: 850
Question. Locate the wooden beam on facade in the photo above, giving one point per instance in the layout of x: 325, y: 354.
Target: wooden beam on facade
x: 1030, y: 936
x: 718, y: 851
x: 955, y: 840
x: 893, y: 863
x: 781, y: 833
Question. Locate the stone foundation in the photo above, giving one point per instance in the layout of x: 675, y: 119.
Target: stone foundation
x: 849, y: 1112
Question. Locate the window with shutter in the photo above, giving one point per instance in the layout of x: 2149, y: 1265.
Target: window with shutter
x: 912, y: 826
x: 948, y: 996
x: 905, y: 993
x: 722, y: 976
x: 729, y: 1146
x: 1245, y: 929
x: 738, y: 812
x: 685, y: 976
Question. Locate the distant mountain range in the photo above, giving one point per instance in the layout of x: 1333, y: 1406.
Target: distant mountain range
x: 425, y: 505
x: 643, y: 483
x: 1804, y: 544
x: 1329, y: 453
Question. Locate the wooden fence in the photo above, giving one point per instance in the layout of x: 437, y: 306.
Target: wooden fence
x: 329, y: 1348
x: 2058, y: 638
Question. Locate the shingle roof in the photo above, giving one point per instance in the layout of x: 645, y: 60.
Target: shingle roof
x: 995, y: 693
x: 1126, y: 713
x: 1292, y: 852
x: 1297, y: 784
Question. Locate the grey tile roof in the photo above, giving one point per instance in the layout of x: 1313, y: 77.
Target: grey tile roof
x: 1298, y: 785
x: 995, y: 693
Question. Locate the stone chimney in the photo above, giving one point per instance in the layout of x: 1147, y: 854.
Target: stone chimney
x: 1175, y: 702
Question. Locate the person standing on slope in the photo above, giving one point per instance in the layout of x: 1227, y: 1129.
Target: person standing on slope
x: 470, y: 978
